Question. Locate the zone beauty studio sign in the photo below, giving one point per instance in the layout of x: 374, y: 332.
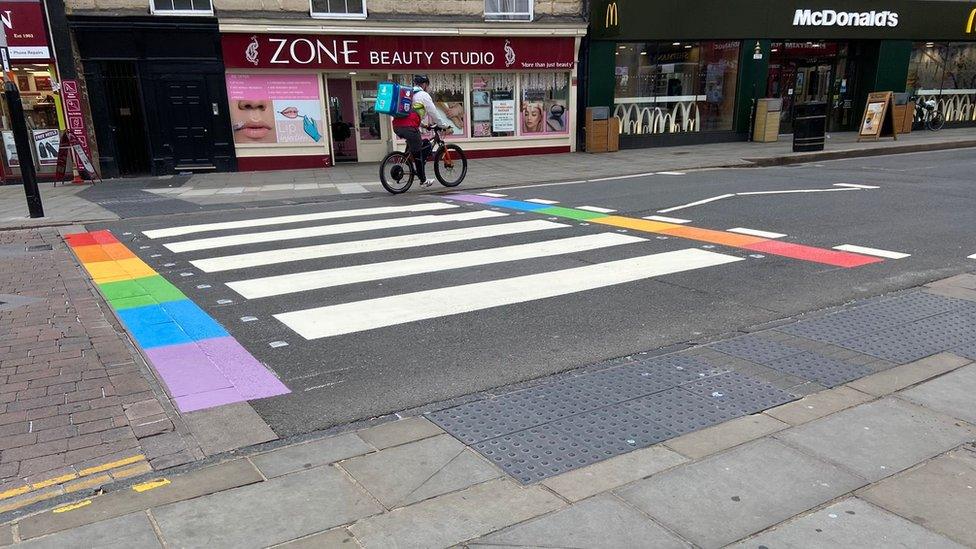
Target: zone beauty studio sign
x: 833, y: 18
x: 392, y: 53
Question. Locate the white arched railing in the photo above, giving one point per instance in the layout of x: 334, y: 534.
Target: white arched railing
x: 955, y: 105
x: 656, y: 115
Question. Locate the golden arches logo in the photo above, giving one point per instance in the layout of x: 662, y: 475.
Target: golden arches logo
x: 969, y: 24
x: 613, y: 16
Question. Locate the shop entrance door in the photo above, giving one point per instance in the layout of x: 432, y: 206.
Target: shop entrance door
x: 191, y: 114
x: 372, y: 130
x: 804, y: 72
x: 342, y: 123
x: 126, y: 119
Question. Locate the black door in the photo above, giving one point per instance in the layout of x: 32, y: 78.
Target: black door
x: 127, y: 121
x: 190, y: 121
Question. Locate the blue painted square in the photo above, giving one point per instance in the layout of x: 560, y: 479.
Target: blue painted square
x: 149, y: 336
x: 519, y: 205
x: 148, y: 315
x: 193, y: 320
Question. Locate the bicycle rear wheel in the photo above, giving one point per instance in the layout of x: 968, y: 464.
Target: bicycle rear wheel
x: 396, y: 172
x: 450, y: 165
x: 937, y: 121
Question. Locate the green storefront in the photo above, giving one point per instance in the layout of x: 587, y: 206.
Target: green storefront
x: 687, y: 71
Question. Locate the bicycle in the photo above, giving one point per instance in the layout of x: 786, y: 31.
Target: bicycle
x: 928, y: 113
x: 397, y: 170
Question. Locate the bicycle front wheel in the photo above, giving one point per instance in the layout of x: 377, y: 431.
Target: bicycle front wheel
x: 396, y: 172
x: 450, y: 165
x: 937, y: 121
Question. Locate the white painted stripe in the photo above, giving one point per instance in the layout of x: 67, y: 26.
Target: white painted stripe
x: 285, y: 219
x: 358, y: 316
x: 670, y: 173
x: 327, y: 278
x: 665, y: 219
x: 325, y: 230
x: 698, y: 203
x: 795, y: 191
x: 596, y: 209
x: 616, y: 177
x: 755, y: 232
x: 871, y: 251
x: 972, y: 257
x: 493, y: 195
x: 542, y: 201
x: 274, y: 257
x: 351, y: 188
x: 855, y: 186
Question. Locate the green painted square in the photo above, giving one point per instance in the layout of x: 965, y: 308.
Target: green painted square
x: 581, y: 215
x: 151, y: 290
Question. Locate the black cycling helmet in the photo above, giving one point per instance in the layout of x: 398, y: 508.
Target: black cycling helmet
x: 419, y: 79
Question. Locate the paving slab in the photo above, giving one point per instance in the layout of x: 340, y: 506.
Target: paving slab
x: 708, y: 441
x: 122, y: 502
x: 941, y: 495
x: 729, y: 496
x: 602, y: 521
x: 310, y: 454
x: 879, y: 439
x: 228, y: 427
x: 340, y: 538
x: 906, y: 375
x: 614, y: 472
x: 267, y: 513
x: 123, y: 532
x: 818, y: 405
x: 6, y: 535
x: 953, y: 394
x: 457, y: 517
x: 406, y: 474
x: 399, y: 432
x: 954, y: 291
x: 849, y: 523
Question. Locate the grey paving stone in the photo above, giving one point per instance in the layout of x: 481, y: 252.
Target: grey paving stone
x: 399, y: 432
x: 340, y: 538
x: 423, y: 469
x: 309, y: 454
x: 896, y: 379
x: 196, y: 483
x: 953, y: 394
x: 818, y: 405
x: 453, y: 518
x: 880, y: 438
x: 724, y: 436
x: 731, y: 495
x: 940, y: 494
x: 849, y: 523
x: 267, y: 513
x: 612, y: 473
x: 6, y: 535
x: 229, y: 427
x: 603, y: 521
x: 755, y: 348
x: 122, y: 532
x: 821, y: 369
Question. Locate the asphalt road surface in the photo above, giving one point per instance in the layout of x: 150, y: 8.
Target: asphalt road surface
x: 415, y: 299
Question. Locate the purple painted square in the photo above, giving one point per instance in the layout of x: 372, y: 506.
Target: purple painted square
x: 186, y: 369
x: 477, y: 199
x: 209, y: 399
x: 251, y: 378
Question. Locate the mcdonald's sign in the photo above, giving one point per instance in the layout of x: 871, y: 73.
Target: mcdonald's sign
x: 972, y: 20
x: 612, y: 18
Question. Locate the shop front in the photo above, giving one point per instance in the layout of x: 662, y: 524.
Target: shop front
x: 677, y: 72
x: 34, y: 73
x: 306, y: 100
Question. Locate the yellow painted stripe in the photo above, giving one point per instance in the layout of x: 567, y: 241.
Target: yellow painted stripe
x: 31, y: 498
x: 90, y: 482
x: 111, y: 465
x: 14, y: 492
x: 53, y: 481
x: 73, y: 506
x: 645, y: 225
x: 122, y: 269
x: 150, y: 485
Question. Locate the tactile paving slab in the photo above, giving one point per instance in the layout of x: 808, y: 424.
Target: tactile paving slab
x: 536, y: 454
x: 682, y: 412
x: 916, y: 340
x: 741, y: 392
x: 612, y: 431
x: 755, y: 348
x: 820, y: 369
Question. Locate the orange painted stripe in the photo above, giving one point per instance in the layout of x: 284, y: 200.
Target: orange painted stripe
x: 118, y: 251
x: 645, y: 225
x: 714, y: 237
x: 92, y: 254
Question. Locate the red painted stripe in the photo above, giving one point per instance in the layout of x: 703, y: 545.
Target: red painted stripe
x: 80, y: 239
x: 809, y: 253
x: 104, y: 237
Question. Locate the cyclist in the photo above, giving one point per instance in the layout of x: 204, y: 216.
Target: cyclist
x: 408, y: 128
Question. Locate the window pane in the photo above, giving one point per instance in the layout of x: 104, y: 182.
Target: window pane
x: 493, y: 105
x: 369, y: 119
x: 508, y: 10
x: 545, y: 103
x: 447, y: 91
x: 182, y: 5
x: 717, y: 82
x: 338, y: 6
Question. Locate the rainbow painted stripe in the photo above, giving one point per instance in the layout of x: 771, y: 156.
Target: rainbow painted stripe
x: 767, y: 246
x: 200, y: 363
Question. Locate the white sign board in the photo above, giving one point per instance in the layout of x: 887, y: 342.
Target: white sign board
x: 503, y: 115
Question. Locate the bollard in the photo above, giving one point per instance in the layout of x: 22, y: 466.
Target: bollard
x: 24, y: 153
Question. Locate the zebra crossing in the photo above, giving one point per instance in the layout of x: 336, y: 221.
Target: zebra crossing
x: 324, y: 274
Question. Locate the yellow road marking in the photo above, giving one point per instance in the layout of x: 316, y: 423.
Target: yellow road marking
x: 7, y: 494
x: 112, y: 465
x: 53, y: 481
x: 72, y: 506
x: 14, y: 492
x: 150, y: 485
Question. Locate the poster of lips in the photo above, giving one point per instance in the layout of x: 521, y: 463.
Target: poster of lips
x: 274, y: 108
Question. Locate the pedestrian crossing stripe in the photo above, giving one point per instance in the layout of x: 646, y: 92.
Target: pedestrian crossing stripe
x: 835, y: 258
x: 328, y: 278
x: 346, y: 318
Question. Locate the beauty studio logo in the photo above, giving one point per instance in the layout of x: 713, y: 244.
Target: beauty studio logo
x: 251, y: 53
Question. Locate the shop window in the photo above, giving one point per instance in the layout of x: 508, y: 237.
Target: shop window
x: 181, y: 7
x: 339, y: 9
x: 41, y: 114
x: 945, y: 73
x: 544, y: 108
x: 675, y: 87
x: 447, y: 91
x: 509, y: 10
x: 493, y: 105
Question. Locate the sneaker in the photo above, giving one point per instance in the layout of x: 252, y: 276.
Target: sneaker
x: 429, y: 182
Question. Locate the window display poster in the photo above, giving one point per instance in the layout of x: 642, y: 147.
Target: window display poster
x: 46, y: 143
x: 544, y: 117
x: 275, y: 108
x: 873, y: 118
x: 10, y: 148
x: 503, y: 115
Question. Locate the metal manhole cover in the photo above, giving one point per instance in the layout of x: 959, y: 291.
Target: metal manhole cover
x: 40, y: 248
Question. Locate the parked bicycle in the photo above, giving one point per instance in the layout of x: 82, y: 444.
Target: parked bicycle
x: 397, y: 171
x: 929, y: 114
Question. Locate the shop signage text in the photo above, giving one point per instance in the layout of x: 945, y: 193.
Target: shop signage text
x: 26, y: 30
x: 396, y: 53
x: 832, y: 18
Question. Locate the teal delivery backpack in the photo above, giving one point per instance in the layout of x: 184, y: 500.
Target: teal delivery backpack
x: 394, y: 99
